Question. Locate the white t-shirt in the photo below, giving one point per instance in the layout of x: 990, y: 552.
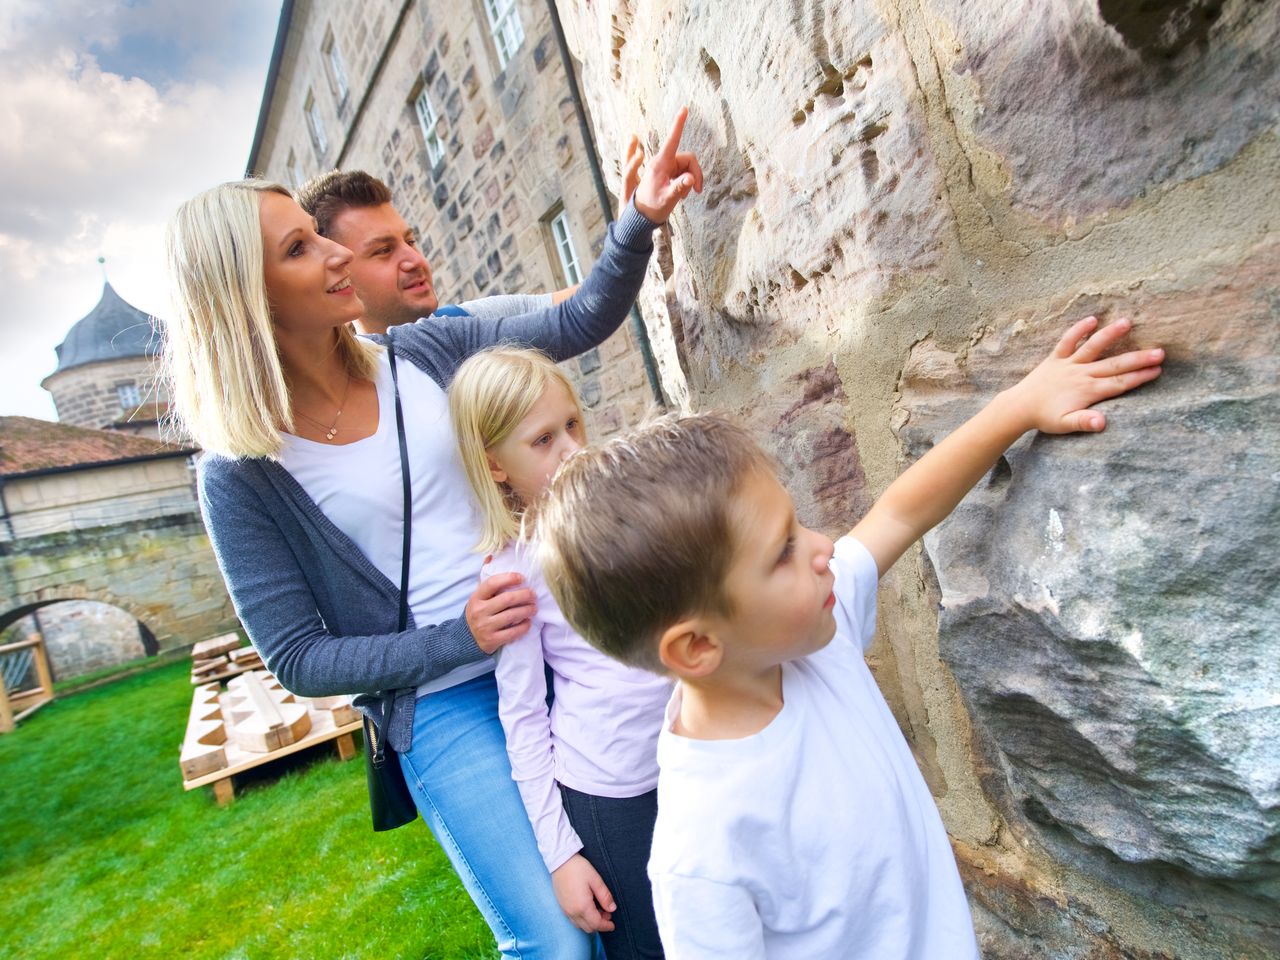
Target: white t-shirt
x: 816, y: 837
x: 358, y: 487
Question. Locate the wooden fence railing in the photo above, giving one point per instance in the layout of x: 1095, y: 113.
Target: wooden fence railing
x: 17, y: 704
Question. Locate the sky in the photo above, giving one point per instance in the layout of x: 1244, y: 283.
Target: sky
x: 113, y: 113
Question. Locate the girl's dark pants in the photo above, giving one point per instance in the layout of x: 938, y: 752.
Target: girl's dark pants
x: 616, y: 836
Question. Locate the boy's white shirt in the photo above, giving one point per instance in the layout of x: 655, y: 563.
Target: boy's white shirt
x: 816, y: 837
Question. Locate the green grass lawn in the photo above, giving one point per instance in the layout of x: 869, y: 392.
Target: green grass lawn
x: 102, y: 853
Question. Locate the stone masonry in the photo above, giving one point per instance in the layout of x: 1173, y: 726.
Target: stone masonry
x: 89, y: 515
x: 513, y: 154
x: 906, y: 201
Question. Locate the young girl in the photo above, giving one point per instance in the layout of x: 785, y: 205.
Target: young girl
x: 587, y: 767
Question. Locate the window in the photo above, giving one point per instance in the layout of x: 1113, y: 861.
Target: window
x: 504, y: 24
x: 129, y: 395
x: 318, y: 139
x: 564, y: 249
x: 337, y: 72
x: 295, y: 171
x: 429, y: 122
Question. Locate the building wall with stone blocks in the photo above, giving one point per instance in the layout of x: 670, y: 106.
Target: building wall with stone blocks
x: 97, y: 497
x: 89, y: 395
x: 513, y: 156
x: 127, y: 537
x: 905, y: 204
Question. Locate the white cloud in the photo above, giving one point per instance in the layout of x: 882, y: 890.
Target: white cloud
x: 95, y: 162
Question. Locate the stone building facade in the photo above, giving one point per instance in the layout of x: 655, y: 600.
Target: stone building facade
x: 905, y: 203
x: 109, y: 522
x: 464, y: 110
x: 107, y: 372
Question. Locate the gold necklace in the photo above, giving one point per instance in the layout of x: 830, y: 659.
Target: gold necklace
x: 331, y: 430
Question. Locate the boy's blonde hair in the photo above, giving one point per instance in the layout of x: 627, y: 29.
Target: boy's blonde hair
x: 225, y: 377
x: 637, y: 534
x: 491, y: 393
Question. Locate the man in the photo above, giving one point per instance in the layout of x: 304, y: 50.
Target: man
x: 391, y: 276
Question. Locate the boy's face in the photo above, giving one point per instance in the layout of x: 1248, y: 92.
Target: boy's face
x: 779, y: 583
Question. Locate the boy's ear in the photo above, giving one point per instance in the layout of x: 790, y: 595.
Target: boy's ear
x: 499, y: 475
x: 690, y: 649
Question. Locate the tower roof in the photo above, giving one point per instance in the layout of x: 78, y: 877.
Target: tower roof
x: 113, y: 330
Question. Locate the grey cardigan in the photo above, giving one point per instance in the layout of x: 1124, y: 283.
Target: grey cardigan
x: 322, y: 616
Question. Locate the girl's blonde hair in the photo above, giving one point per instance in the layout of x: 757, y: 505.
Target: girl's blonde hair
x: 225, y: 377
x: 489, y: 396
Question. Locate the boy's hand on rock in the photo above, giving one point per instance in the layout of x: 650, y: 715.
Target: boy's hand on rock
x: 669, y: 177
x: 1056, y: 395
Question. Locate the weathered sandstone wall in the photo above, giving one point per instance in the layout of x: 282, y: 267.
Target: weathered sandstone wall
x: 907, y: 200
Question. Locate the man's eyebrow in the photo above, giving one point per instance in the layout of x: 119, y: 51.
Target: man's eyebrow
x: 378, y: 240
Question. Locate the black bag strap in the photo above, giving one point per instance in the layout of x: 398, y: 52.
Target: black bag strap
x: 404, y: 479
x: 405, y: 539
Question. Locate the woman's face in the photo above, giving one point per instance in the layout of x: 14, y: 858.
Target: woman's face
x: 308, y: 284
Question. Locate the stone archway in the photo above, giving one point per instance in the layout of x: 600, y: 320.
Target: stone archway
x: 159, y: 570
x: 80, y: 635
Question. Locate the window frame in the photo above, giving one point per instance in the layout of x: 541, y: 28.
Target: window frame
x: 430, y: 129
x: 505, y: 28
x: 133, y: 391
x: 571, y: 266
x: 335, y: 69
x: 315, y: 126
x: 294, y: 170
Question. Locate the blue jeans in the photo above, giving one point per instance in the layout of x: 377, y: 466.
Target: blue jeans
x: 461, y: 781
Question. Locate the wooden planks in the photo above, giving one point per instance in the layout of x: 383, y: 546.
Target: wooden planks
x: 222, y: 657
x: 256, y: 721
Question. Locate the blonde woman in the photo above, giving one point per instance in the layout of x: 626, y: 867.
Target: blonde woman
x: 300, y: 486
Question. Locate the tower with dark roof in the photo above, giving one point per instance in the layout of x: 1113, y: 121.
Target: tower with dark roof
x: 106, y: 376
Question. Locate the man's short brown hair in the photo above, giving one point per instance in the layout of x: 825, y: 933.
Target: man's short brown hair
x: 637, y: 533
x: 326, y: 196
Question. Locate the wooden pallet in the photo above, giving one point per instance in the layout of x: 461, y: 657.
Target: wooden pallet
x: 255, y: 721
x: 220, y: 658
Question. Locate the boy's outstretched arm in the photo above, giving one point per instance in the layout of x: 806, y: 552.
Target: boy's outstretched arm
x: 1054, y: 397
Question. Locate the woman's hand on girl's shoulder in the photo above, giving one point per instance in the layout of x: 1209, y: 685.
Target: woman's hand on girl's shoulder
x: 500, y: 611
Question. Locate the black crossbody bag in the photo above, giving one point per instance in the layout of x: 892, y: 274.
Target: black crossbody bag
x: 390, y: 801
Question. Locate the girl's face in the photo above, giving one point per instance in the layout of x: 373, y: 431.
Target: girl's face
x: 308, y: 283
x: 528, y: 457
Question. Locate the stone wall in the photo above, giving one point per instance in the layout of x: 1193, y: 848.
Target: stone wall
x: 906, y: 202
x: 513, y: 158
x: 126, y: 538
x: 81, y: 636
x: 160, y: 571
x: 86, y: 396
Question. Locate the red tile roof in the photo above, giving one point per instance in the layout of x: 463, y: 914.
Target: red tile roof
x: 28, y: 445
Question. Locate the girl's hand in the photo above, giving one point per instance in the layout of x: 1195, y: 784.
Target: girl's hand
x: 497, y: 613
x: 670, y: 176
x: 583, y: 896
x: 631, y: 164
x: 1055, y: 397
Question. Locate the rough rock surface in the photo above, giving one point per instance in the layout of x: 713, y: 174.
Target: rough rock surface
x: 906, y: 201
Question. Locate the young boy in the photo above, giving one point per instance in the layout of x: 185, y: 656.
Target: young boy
x: 792, y: 820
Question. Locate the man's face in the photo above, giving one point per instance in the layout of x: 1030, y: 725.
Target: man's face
x: 391, y: 275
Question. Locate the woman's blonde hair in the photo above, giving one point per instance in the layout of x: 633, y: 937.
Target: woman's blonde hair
x: 489, y: 396
x: 225, y: 377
